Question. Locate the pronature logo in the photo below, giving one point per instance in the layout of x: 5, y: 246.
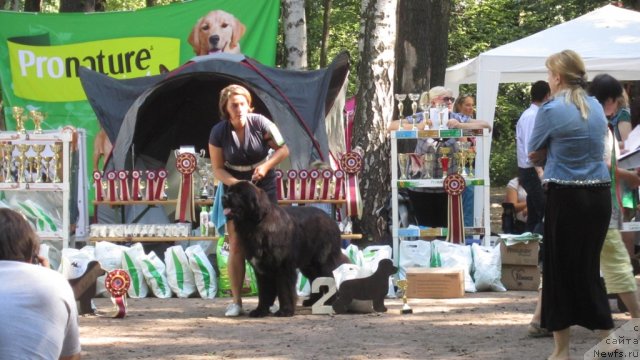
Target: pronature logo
x: 50, y: 73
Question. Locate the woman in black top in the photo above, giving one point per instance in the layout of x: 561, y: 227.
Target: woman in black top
x: 239, y: 147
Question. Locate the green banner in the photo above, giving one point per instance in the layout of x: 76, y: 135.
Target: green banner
x: 40, y: 53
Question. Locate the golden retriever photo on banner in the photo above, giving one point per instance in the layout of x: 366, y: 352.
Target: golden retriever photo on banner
x: 218, y: 31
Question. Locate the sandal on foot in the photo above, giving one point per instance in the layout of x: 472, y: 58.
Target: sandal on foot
x: 536, y: 331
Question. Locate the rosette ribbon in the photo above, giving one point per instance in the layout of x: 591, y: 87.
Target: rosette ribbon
x: 314, y: 175
x: 337, y: 191
x: 351, y: 164
x: 117, y: 283
x: 97, y: 183
x: 185, y: 208
x: 304, y: 177
x: 150, y: 193
x: 162, y: 179
x: 135, y: 184
x: 279, y: 191
x: 292, y: 175
x: 111, y: 186
x: 327, y: 175
x: 124, y: 185
x: 454, y: 185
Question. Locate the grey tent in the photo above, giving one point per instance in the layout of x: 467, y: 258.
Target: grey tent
x: 145, y: 118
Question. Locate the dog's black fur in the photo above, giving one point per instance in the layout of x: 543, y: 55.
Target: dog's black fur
x: 277, y: 240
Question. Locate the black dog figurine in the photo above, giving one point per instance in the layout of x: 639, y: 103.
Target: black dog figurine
x: 372, y: 288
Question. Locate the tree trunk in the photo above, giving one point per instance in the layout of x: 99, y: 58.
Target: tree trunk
x: 77, y: 6
x: 375, y: 107
x: 438, y: 36
x: 295, y: 33
x: 32, y: 5
x: 422, y: 31
x: 326, y: 19
x: 422, y: 44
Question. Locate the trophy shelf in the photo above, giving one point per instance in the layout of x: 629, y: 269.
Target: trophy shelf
x: 434, y: 183
x: 480, y: 180
x: 153, y: 238
x: 65, y: 136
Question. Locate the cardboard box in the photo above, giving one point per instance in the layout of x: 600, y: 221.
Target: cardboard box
x: 435, y: 283
x: 520, y: 254
x: 519, y: 277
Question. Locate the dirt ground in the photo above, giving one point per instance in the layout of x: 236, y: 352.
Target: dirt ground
x: 486, y: 325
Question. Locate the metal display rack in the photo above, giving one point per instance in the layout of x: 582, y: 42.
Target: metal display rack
x: 482, y: 221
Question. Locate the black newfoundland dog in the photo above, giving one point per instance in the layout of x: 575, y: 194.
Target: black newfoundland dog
x: 278, y: 240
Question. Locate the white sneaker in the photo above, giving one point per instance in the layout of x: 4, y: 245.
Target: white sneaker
x: 233, y: 310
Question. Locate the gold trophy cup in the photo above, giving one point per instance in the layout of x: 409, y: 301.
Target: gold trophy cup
x: 38, y: 148
x: 17, y: 113
x: 471, y: 157
x: 56, y: 148
x: 37, y: 118
x: 7, y: 150
x: 22, y: 161
x: 403, y: 285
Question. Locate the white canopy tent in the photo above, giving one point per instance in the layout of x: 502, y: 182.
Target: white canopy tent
x: 608, y: 39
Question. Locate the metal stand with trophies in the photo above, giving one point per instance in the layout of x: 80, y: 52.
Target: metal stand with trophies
x: 38, y: 162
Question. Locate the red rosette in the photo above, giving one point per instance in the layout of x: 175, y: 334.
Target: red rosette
x: 151, y: 175
x: 162, y: 174
x: 314, y: 174
x: 351, y: 162
x: 327, y: 174
x: 186, y: 163
x: 339, y: 174
x: 135, y: 174
x: 279, y: 174
x: 292, y: 174
x: 122, y: 175
x: 111, y: 175
x: 97, y: 175
x: 454, y: 184
x: 303, y: 174
x: 117, y: 282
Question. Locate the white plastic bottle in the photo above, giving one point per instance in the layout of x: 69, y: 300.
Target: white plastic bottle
x: 204, y: 221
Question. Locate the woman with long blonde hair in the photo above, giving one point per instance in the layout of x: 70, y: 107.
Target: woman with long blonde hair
x: 568, y: 139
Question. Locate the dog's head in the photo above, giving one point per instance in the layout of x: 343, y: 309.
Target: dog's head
x: 244, y: 201
x: 216, y: 31
x: 386, y: 268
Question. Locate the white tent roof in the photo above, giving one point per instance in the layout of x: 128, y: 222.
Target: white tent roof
x: 608, y: 40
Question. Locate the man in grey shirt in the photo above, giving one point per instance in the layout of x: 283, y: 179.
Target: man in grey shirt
x: 37, y: 306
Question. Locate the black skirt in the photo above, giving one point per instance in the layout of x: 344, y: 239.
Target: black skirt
x: 576, y: 223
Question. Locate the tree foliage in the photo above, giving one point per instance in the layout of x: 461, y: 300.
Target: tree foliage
x: 478, y: 26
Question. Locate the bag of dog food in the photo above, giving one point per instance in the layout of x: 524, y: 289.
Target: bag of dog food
x: 110, y: 257
x: 413, y: 253
x: 74, y: 262
x: 132, y: 266
x: 203, y: 272
x: 487, y: 267
x: 456, y: 255
x: 249, y: 285
x: 354, y: 254
x: 154, y: 272
x: 179, y: 274
x: 303, y: 288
